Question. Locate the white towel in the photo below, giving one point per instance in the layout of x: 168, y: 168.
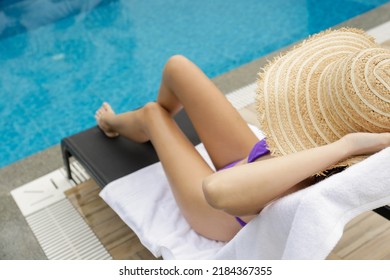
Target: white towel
x: 308, y: 224
x: 304, y: 225
x: 145, y: 203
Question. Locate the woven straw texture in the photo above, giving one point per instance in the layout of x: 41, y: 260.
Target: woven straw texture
x: 334, y: 83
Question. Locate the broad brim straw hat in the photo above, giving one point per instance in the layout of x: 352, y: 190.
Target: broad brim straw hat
x: 332, y: 84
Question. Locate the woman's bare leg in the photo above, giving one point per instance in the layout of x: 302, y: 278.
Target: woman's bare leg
x: 127, y: 124
x: 220, y: 127
x: 184, y: 167
x: 224, y: 133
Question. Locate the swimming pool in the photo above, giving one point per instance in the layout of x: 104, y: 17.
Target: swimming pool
x: 59, y: 60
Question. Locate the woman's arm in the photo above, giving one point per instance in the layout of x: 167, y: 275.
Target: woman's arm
x: 248, y: 188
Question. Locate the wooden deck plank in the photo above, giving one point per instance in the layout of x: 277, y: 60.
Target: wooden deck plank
x: 377, y: 248
x: 357, y: 235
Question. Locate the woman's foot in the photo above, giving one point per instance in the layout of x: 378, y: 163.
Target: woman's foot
x: 103, y: 116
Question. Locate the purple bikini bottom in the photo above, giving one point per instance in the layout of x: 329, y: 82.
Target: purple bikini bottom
x: 260, y: 149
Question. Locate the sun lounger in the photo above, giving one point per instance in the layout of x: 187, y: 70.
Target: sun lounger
x: 118, y: 163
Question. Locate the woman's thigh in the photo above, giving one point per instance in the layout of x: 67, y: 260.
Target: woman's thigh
x: 220, y: 127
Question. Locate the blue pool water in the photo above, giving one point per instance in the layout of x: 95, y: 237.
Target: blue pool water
x: 60, y: 59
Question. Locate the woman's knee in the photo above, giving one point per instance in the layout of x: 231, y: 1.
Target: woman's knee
x: 152, y: 108
x: 177, y: 59
x: 176, y: 64
x: 152, y: 111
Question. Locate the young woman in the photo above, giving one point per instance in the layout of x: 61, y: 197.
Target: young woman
x: 217, y: 204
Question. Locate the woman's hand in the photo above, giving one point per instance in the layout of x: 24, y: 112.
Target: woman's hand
x: 362, y: 143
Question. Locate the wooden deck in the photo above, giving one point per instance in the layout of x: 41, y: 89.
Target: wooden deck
x: 367, y: 237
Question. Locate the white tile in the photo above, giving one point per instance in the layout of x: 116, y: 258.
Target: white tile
x: 381, y: 33
x: 47, y: 189
x: 41, y: 192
